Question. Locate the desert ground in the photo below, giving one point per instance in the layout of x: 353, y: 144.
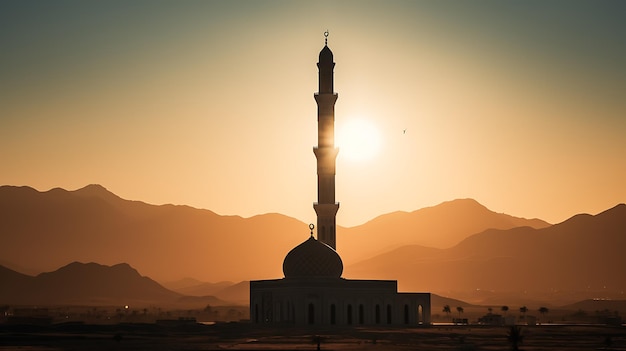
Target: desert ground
x: 244, y: 336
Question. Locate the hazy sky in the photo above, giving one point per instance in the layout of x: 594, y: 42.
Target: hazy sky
x: 520, y: 105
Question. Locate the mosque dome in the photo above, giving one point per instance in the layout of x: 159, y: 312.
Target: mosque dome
x: 312, y: 259
x: 326, y: 55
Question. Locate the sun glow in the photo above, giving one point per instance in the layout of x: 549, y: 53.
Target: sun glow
x: 358, y: 140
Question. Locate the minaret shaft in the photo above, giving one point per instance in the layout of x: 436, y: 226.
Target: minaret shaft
x: 325, y: 152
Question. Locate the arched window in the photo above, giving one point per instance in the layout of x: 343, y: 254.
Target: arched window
x: 349, y: 314
x: 361, y: 314
x: 311, y: 313
x: 420, y: 314
x: 377, y: 314
x: 256, y: 313
x: 333, y: 317
x: 406, y: 314
x: 388, y: 314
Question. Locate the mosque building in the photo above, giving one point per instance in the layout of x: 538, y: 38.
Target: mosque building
x: 313, y: 291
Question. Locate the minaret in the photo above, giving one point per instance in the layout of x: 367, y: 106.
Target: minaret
x: 325, y: 151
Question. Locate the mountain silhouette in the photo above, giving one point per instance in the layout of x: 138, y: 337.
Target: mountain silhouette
x: 440, y: 226
x: 494, y: 255
x: 581, y: 257
x: 46, y: 230
x: 84, y: 284
x: 194, y: 287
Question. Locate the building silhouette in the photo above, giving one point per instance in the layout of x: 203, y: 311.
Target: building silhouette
x: 312, y: 291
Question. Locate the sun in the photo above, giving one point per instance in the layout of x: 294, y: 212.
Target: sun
x: 357, y: 139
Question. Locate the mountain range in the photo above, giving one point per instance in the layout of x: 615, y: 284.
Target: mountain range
x: 457, y: 247
x: 84, y: 284
x: 441, y: 226
x: 42, y: 231
x: 578, y: 258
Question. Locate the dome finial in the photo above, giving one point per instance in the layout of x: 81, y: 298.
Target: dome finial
x: 326, y: 37
x: 311, y: 226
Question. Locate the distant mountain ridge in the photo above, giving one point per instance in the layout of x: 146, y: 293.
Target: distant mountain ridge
x: 577, y: 259
x: 46, y: 230
x: 230, y: 291
x: 83, y: 284
x: 169, y: 242
x: 583, y: 255
x: 440, y: 226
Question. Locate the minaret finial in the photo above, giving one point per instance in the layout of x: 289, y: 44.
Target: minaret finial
x: 326, y: 37
x: 311, y: 226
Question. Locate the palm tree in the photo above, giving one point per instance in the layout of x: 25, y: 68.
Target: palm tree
x: 505, y: 309
x: 543, y: 311
x: 446, y: 310
x: 460, y: 310
x: 523, y: 311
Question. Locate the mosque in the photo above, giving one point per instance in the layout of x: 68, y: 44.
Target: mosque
x: 313, y: 291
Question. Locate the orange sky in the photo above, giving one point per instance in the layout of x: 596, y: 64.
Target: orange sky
x: 519, y: 105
